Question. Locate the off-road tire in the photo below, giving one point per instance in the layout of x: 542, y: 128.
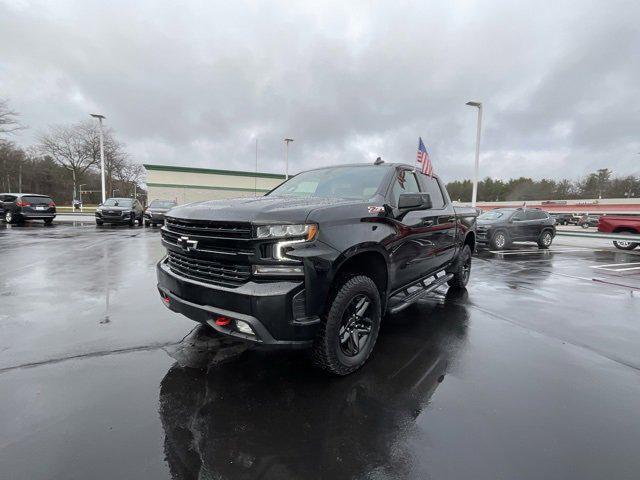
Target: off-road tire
x: 496, y: 243
x: 545, y: 239
x: 462, y: 271
x: 327, y: 353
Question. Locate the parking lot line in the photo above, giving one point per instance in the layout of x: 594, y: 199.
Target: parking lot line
x: 521, y: 252
x: 626, y: 267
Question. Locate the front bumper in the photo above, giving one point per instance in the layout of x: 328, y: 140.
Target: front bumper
x: 113, y: 219
x: 267, y: 307
x: 154, y: 217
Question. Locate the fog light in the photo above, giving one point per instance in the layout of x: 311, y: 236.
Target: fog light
x: 244, y: 327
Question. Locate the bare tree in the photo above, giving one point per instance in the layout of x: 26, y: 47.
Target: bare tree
x: 70, y: 147
x: 8, y: 121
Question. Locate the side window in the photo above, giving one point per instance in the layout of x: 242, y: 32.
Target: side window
x: 535, y: 215
x: 518, y: 216
x: 405, y: 182
x: 430, y: 186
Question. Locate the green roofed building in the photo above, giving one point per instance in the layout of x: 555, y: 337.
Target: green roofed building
x: 187, y: 184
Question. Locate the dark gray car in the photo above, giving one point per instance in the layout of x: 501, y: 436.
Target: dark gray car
x: 154, y: 214
x: 18, y: 207
x: 500, y: 227
x: 119, y: 210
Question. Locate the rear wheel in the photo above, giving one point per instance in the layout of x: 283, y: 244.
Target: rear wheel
x: 147, y: 223
x: 48, y: 221
x: 499, y: 241
x: 624, y: 245
x: 463, y: 269
x: 545, y: 239
x: 99, y: 222
x: 140, y: 221
x: 8, y: 217
x: 349, y: 329
x: 132, y: 221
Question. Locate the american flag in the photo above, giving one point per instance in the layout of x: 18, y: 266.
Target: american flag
x: 423, y: 158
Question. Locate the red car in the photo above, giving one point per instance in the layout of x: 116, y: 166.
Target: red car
x: 620, y: 224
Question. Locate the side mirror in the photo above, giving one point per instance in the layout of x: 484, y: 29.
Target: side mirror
x: 409, y: 202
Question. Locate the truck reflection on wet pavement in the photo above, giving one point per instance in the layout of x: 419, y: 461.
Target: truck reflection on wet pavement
x: 248, y: 414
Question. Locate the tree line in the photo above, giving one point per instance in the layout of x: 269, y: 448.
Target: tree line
x: 65, y: 160
x: 599, y: 184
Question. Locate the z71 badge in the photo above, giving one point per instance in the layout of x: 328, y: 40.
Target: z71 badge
x: 376, y: 210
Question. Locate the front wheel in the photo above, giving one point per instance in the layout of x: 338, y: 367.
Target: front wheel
x: 147, y: 223
x: 545, y: 239
x: 8, y: 217
x: 624, y: 245
x: 140, y: 222
x: 499, y: 241
x: 462, y: 271
x: 48, y: 221
x: 349, y: 329
x: 99, y: 222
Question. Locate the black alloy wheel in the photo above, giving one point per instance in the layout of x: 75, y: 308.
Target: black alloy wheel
x: 355, y: 329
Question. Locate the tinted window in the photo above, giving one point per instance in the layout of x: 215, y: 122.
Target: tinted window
x: 162, y: 204
x: 535, y: 215
x: 37, y: 200
x: 430, y: 186
x: 358, y: 183
x: 519, y: 215
x: 491, y: 216
x: 405, y: 182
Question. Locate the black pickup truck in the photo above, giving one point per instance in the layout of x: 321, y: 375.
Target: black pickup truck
x: 319, y: 260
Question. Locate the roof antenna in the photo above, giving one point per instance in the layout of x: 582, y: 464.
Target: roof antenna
x: 378, y: 161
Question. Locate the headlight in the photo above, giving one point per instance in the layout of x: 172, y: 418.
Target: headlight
x: 306, y: 231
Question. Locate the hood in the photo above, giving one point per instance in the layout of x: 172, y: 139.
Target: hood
x: 115, y: 209
x: 158, y: 210
x: 267, y: 209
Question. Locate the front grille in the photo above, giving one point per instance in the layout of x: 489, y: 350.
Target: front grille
x: 222, y: 273
x: 210, y: 229
x: 112, y: 215
x: 208, y: 245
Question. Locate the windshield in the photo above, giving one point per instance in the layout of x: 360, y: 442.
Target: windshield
x: 491, y: 216
x: 118, y: 202
x: 162, y: 204
x: 359, y: 183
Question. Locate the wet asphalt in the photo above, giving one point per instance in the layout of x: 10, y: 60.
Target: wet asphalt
x: 533, y: 372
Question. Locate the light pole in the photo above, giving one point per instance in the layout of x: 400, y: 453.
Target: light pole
x: 100, y: 118
x: 80, y: 191
x: 287, y: 141
x: 474, y: 195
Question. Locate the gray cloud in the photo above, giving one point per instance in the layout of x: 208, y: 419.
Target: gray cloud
x: 196, y: 84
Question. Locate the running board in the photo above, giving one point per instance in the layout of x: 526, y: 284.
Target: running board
x: 411, y: 298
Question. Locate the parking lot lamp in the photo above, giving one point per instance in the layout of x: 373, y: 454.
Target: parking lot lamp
x: 100, y: 118
x: 474, y: 195
x: 287, y: 141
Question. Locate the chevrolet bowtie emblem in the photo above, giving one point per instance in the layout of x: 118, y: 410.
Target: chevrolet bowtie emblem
x: 187, y: 244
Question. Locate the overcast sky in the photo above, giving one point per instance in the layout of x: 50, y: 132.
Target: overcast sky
x: 196, y: 84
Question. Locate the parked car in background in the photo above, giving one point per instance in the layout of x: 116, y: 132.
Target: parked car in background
x: 621, y: 224
x: 562, y: 218
x: 119, y: 210
x: 18, y: 207
x: 154, y: 213
x: 500, y: 227
x: 587, y: 221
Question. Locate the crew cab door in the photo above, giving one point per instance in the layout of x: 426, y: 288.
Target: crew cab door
x: 418, y: 247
